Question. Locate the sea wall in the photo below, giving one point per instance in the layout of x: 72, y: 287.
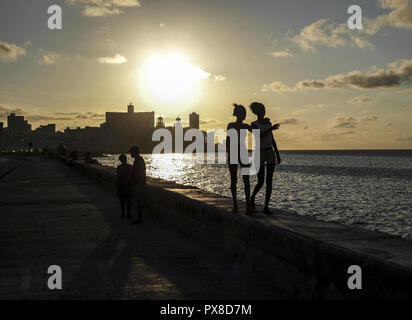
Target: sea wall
x: 302, y: 257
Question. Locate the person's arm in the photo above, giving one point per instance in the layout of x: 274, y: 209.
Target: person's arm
x: 266, y: 131
x: 276, y: 150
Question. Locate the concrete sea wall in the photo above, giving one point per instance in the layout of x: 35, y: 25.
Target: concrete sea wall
x: 302, y: 257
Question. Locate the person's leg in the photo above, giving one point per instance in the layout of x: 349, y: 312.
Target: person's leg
x: 133, y: 200
x: 233, y: 184
x: 246, y: 183
x: 128, y: 204
x: 122, y: 203
x: 139, y: 206
x: 269, y: 182
x: 261, y: 180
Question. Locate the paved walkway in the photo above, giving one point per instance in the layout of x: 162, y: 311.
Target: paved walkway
x: 51, y: 215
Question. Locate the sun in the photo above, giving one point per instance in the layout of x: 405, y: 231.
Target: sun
x: 170, y: 77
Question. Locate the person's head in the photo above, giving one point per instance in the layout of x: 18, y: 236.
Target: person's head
x: 239, y: 112
x: 123, y: 158
x: 258, y: 109
x: 134, y: 151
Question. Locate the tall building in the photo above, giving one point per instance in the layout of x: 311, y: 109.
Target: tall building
x: 46, y: 131
x: 17, y: 125
x: 130, y: 128
x: 160, y: 123
x: 194, y: 120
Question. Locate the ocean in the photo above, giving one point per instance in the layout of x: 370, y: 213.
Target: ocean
x: 370, y: 189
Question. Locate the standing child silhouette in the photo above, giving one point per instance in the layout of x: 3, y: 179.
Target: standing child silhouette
x: 269, y: 154
x: 240, y: 113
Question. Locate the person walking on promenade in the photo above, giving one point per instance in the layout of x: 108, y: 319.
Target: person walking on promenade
x: 240, y: 113
x: 269, y: 154
x: 124, y: 187
x: 138, y: 179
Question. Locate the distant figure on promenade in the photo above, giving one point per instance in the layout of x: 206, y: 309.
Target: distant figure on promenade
x: 240, y: 113
x: 138, y: 179
x: 269, y: 154
x: 124, y: 186
x: 61, y: 150
x: 73, y: 156
x: 89, y: 159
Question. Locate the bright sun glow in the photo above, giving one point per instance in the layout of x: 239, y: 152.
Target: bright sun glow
x: 170, y: 77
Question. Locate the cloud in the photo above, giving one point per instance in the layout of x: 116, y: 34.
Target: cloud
x: 89, y: 115
x: 117, y: 59
x: 345, y: 122
x: 408, y: 107
x: 313, y: 84
x: 10, y: 51
x: 102, y: 8
x: 207, y: 121
x: 407, y: 139
x: 369, y: 118
x: 310, y: 108
x: 338, y: 135
x: 394, y: 75
x: 282, y: 54
x: 219, y: 77
x: 66, y: 113
x: 399, y: 16
x: 362, y: 100
x: 49, y: 57
x: 5, y: 111
x: 289, y: 121
x: 277, y: 86
x: 37, y: 118
x: 323, y: 32
x: 326, y: 33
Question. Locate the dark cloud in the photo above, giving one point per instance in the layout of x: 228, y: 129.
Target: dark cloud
x: 393, y: 76
x: 338, y: 135
x: 345, y: 122
x: 207, y: 121
x: 362, y: 100
x: 315, y: 84
x: 290, y: 121
x: 10, y: 52
x: 66, y: 113
x: 5, y: 111
x: 370, y: 118
x: 96, y: 115
x: 37, y: 118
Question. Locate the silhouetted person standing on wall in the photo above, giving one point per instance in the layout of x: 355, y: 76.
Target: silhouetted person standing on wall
x: 240, y: 113
x: 138, y: 178
x: 269, y: 154
x: 124, y: 186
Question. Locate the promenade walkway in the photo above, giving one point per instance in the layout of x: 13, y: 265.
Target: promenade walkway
x: 52, y: 215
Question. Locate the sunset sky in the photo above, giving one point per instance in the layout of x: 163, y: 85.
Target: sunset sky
x: 328, y: 86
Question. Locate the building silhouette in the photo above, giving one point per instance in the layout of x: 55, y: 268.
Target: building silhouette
x: 160, y: 123
x: 120, y: 131
x: 194, y: 120
x: 129, y: 128
x: 16, y: 125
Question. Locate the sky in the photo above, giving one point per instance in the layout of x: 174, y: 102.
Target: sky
x: 328, y: 86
